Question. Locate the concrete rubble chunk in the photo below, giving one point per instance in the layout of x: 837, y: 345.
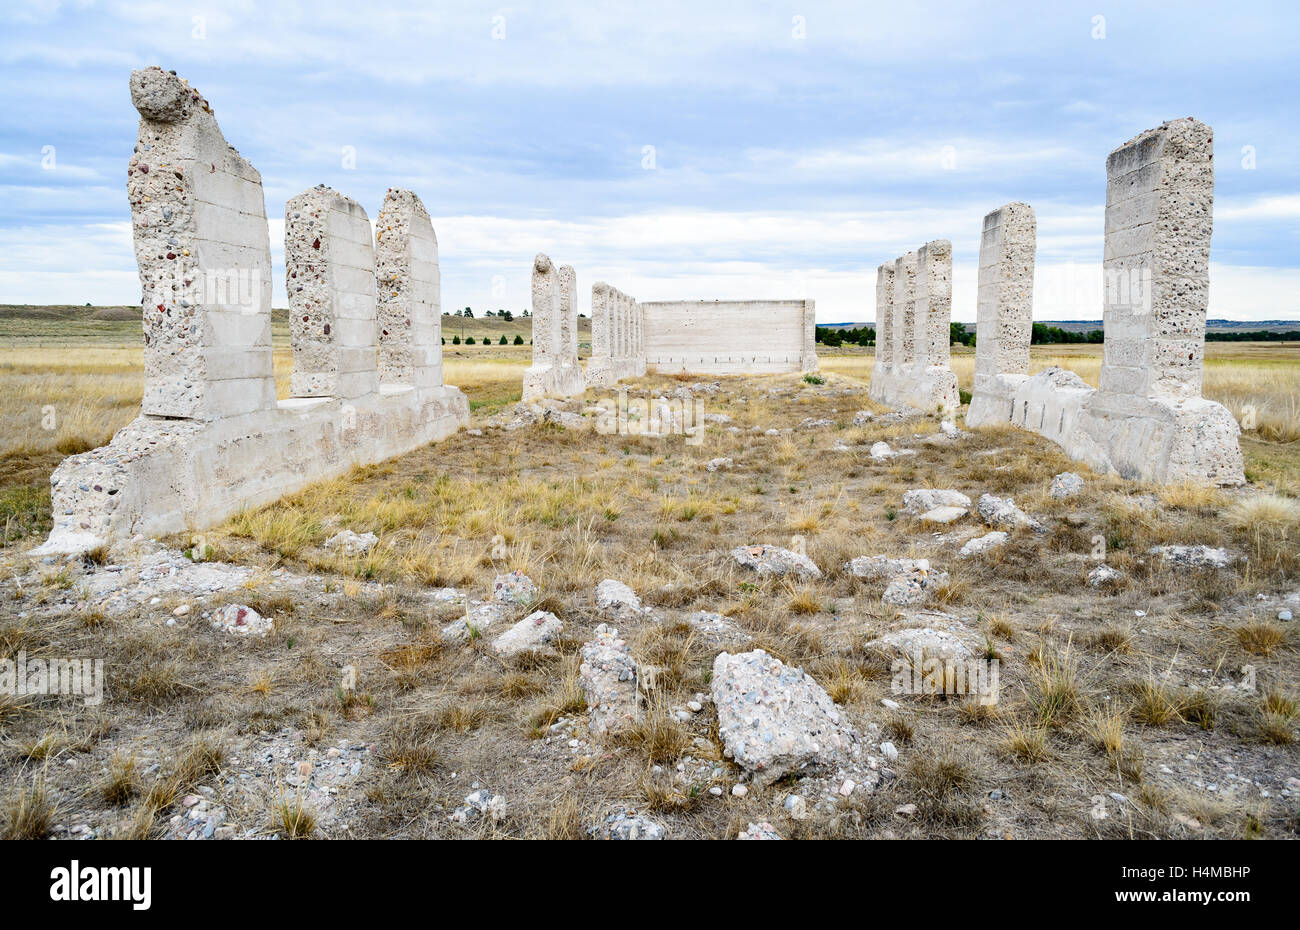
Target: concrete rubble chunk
x: 943, y: 515
x: 1003, y: 513
x: 1192, y: 556
x: 608, y: 676
x: 920, y: 500
x: 774, y: 720
x: 773, y: 560
x: 759, y: 831
x: 615, y: 597
x: 629, y: 825
x: 240, y: 620
x: 1065, y: 485
x: 352, y: 543
x: 514, y: 588
x: 534, y: 632
x: 980, y: 544
x: 1103, y: 575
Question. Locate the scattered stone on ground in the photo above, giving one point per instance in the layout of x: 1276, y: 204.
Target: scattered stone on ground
x: 1103, y: 575
x: 1002, y: 513
x: 773, y: 560
x: 608, y: 676
x: 240, y: 620
x: 534, y: 632
x: 980, y: 544
x: 921, y: 500
x: 351, y: 543
x: 629, y: 825
x: 1192, y: 556
x: 1065, y: 485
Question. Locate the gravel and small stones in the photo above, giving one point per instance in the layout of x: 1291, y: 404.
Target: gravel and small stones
x: 759, y: 831
x: 716, y: 629
x: 773, y: 560
x: 608, y: 676
x: 481, y: 803
x: 773, y: 719
x: 629, y: 825
x: 352, y: 544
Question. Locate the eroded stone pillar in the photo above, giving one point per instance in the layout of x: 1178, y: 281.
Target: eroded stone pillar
x: 1004, y: 311
x: 555, y: 370
x: 330, y: 277
x: 904, y: 311
x: 198, y: 220
x: 409, y: 299
x: 1159, y: 217
x: 884, y: 319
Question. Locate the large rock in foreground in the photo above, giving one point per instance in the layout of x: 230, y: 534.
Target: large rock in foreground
x: 773, y: 560
x: 773, y: 719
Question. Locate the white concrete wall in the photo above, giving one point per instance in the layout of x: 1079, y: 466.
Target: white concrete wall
x: 730, y: 336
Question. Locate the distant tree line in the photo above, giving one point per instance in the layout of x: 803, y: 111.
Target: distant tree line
x: 1291, y: 335
x: 1042, y: 334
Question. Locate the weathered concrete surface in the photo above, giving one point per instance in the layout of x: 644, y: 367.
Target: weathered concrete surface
x: 617, y: 337
x: 329, y: 260
x: 555, y: 371
x: 1147, y: 420
x: 211, y: 440
x: 204, y: 253
x: 730, y: 336
x: 409, y: 293
x: 1004, y: 312
x: 913, y: 317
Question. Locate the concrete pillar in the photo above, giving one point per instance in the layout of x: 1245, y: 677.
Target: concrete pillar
x: 409, y: 301
x: 600, y: 320
x: 1005, y: 295
x: 545, y: 341
x: 904, y: 311
x: 330, y: 277
x: 884, y: 318
x: 567, y: 316
x: 1159, y: 217
x: 934, y: 305
x: 198, y: 219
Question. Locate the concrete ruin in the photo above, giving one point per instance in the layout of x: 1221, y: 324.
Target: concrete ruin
x: 1147, y: 420
x: 211, y: 438
x: 617, y: 337
x: 730, y: 337
x: 913, y: 317
x: 555, y: 371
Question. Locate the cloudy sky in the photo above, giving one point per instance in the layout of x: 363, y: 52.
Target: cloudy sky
x: 675, y: 150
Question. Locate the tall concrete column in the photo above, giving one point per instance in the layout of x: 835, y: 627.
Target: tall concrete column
x: 409, y: 293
